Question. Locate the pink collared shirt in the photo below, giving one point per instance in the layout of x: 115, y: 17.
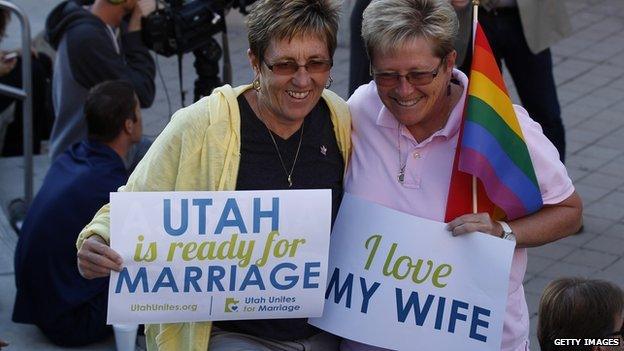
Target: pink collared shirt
x: 375, y: 164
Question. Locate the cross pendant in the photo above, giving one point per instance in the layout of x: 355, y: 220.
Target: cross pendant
x: 289, y: 182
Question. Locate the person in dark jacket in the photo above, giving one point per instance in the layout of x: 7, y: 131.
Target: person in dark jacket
x: 42, y: 115
x: 92, y: 47
x: 69, y: 309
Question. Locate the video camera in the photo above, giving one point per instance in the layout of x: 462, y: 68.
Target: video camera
x: 181, y: 27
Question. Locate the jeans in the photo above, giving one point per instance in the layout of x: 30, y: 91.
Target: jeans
x: 359, y: 65
x: 82, y: 325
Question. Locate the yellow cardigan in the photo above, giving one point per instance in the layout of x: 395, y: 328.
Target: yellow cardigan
x: 199, y: 150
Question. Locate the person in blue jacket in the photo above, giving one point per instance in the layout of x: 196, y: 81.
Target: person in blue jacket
x: 51, y: 294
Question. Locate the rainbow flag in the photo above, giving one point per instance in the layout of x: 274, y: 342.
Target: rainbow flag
x: 493, y: 147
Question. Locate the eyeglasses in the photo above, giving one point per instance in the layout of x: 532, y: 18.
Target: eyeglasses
x: 291, y: 67
x: 414, y: 77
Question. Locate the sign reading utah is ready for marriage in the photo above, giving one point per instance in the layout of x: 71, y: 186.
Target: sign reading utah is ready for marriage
x: 199, y: 256
x: 404, y: 283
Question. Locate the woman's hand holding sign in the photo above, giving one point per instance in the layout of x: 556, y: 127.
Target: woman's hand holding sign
x: 475, y: 222
x: 96, y: 259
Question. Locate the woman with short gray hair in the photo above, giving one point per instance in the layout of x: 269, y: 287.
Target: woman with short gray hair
x: 406, y: 126
x: 270, y: 20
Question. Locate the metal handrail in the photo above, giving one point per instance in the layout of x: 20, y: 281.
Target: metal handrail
x: 12, y: 92
x: 24, y: 94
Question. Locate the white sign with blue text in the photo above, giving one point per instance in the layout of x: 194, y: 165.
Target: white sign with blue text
x: 405, y: 283
x: 199, y: 256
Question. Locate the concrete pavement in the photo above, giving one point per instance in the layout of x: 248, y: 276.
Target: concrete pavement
x: 589, y: 71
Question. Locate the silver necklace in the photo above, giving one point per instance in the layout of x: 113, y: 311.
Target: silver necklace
x: 402, y: 165
x: 279, y: 154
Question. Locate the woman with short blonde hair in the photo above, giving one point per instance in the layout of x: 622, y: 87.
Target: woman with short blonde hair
x: 389, y: 24
x: 406, y: 126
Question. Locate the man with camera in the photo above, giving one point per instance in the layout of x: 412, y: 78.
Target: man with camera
x: 94, y: 45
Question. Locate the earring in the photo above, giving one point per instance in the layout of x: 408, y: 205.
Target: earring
x: 448, y: 89
x: 256, y: 84
x: 329, y: 82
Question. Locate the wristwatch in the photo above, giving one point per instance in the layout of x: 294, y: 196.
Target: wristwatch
x: 508, y: 233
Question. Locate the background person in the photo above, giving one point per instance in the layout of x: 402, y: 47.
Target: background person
x: 11, y: 127
x: 93, y: 46
x: 406, y: 125
x: 285, y: 131
x: 69, y: 309
x: 521, y: 33
x: 579, y: 308
x: 359, y: 63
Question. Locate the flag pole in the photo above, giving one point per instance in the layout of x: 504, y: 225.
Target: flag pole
x: 475, y: 21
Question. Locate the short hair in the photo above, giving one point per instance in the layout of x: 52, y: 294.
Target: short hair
x: 108, y: 106
x: 577, y: 308
x: 389, y: 24
x: 287, y: 19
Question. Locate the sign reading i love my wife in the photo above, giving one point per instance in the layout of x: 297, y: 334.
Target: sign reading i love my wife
x: 199, y: 256
x: 404, y: 283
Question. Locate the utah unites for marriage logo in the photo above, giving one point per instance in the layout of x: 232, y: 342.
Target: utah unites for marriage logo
x: 231, y: 304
